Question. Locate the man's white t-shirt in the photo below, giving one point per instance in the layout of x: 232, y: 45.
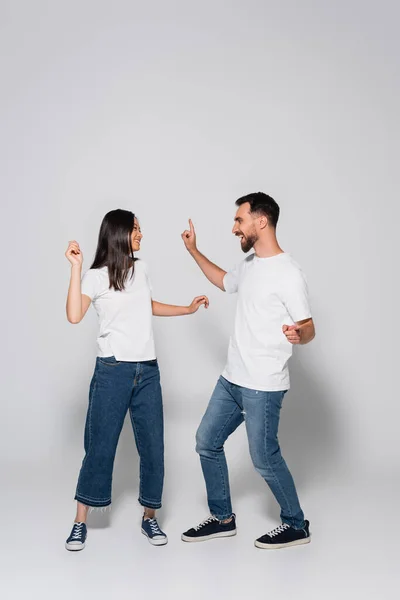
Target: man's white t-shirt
x: 272, y: 292
x: 125, y: 317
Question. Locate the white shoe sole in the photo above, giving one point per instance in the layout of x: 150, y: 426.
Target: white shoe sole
x: 186, y: 538
x: 278, y: 546
x: 74, y: 547
x: 153, y: 542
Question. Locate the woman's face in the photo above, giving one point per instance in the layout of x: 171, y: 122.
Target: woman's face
x: 136, y: 236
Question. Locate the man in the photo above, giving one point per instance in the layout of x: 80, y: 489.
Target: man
x: 272, y: 314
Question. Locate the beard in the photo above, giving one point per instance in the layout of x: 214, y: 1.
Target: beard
x: 248, y: 242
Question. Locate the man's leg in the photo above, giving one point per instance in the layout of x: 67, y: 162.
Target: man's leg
x: 222, y: 417
x: 262, y: 412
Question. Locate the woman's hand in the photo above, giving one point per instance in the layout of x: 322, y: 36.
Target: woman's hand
x: 74, y: 254
x: 197, y: 302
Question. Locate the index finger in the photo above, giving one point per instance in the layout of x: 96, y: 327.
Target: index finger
x: 191, y: 226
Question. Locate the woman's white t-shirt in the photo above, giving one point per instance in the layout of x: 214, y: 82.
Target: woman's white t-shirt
x: 125, y: 317
x: 271, y: 292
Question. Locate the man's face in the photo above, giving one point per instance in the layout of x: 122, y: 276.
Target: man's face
x: 245, y: 227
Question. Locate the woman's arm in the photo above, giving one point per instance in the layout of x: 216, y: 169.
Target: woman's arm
x: 77, y: 303
x: 169, y: 310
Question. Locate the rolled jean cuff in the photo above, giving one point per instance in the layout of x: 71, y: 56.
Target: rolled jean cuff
x: 149, y: 503
x: 222, y: 517
x: 95, y: 502
x: 293, y: 523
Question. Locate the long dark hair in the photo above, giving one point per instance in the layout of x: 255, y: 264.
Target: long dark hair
x: 114, y: 247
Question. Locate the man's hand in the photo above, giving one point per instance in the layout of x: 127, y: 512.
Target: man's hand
x: 189, y: 238
x: 210, y: 270
x: 293, y: 333
x: 300, y: 333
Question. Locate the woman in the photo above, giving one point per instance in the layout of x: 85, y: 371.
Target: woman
x: 126, y: 375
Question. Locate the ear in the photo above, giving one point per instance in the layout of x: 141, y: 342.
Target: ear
x: 263, y: 221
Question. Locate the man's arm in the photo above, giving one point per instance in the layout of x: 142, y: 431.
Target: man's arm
x: 213, y: 273
x: 300, y: 333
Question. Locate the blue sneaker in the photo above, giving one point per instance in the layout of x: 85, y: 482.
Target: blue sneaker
x: 151, y: 529
x: 77, y: 538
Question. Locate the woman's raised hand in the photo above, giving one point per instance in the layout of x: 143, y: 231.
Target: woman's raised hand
x: 74, y: 254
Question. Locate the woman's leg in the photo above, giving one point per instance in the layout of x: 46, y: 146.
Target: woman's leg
x: 81, y: 512
x: 110, y: 393
x: 146, y: 412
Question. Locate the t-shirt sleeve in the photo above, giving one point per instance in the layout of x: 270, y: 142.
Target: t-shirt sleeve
x: 231, y: 280
x: 295, y: 297
x: 90, y: 284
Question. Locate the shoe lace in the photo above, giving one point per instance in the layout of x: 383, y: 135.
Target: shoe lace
x: 280, y: 529
x: 155, y: 528
x: 210, y: 519
x: 77, y: 531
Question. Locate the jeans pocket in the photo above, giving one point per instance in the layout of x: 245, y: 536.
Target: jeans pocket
x: 110, y: 361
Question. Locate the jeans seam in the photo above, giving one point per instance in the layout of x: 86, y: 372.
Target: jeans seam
x: 90, y: 408
x: 139, y: 449
x: 266, y: 412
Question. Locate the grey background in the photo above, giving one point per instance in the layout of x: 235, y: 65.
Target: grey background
x: 174, y: 110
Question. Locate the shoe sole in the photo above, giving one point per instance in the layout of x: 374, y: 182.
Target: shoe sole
x: 74, y: 547
x: 278, y: 546
x: 160, y: 542
x: 186, y: 538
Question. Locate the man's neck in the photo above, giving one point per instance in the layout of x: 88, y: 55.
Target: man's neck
x: 267, y: 248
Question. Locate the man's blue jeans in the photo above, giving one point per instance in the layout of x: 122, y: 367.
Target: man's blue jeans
x: 229, y: 406
x: 117, y: 387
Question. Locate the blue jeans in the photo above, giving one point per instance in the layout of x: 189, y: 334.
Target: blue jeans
x: 229, y: 406
x: 117, y: 387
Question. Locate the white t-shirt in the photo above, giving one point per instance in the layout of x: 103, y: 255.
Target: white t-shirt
x: 271, y: 292
x: 125, y: 317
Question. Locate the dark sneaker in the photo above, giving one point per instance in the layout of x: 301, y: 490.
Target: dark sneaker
x: 151, y: 529
x: 77, y: 538
x: 210, y: 528
x: 284, y: 536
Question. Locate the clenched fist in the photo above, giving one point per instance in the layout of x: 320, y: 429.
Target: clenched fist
x: 74, y: 254
x: 293, y: 333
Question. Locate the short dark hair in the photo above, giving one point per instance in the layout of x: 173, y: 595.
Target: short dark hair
x: 263, y: 204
